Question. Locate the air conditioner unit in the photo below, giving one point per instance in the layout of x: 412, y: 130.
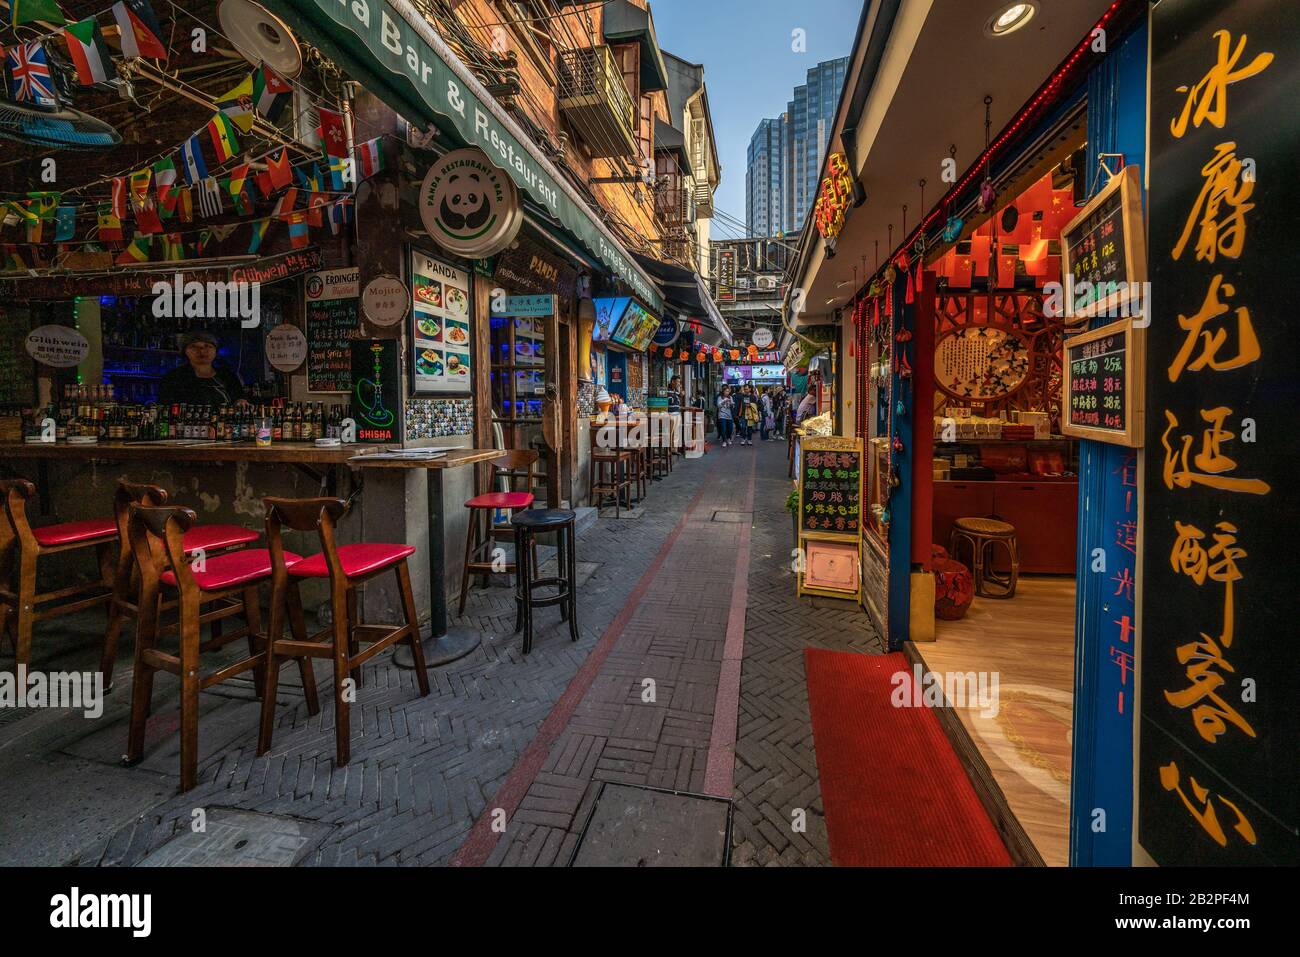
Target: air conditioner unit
x: 767, y: 283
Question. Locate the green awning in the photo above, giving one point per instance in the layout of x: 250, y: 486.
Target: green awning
x: 627, y: 23
x: 388, y: 47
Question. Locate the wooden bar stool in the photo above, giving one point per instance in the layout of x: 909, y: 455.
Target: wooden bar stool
x: 511, y: 466
x: 157, y: 536
x: 982, y: 534
x: 346, y: 567
x: 660, y: 439
x: 22, y: 546
x: 609, y: 473
x: 204, y: 540
x: 528, y: 524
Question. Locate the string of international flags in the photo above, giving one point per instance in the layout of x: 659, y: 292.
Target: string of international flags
x: 153, y: 196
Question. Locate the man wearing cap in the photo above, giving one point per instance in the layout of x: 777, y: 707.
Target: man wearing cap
x: 198, y: 381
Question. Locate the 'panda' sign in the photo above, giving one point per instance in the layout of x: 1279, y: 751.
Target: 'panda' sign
x: 469, y: 206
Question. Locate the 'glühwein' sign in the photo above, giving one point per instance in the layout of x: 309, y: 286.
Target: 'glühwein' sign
x: 1218, y: 780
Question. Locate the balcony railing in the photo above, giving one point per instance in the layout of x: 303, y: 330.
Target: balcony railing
x: 595, y: 101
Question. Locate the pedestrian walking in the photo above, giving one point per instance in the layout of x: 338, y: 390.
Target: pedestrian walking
x: 726, y: 416
x: 747, y: 414
x: 765, y: 410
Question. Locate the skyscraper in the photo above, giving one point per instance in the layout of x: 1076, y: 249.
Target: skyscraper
x: 764, y: 179
x: 786, y: 153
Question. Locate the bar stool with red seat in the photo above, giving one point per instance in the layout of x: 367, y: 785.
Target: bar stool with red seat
x: 201, y: 540
x: 157, y: 536
x: 346, y: 566
x: 21, y: 547
x: 511, y: 466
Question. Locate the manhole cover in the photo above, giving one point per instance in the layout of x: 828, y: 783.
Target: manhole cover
x: 233, y: 838
x: 736, y: 517
x: 642, y: 827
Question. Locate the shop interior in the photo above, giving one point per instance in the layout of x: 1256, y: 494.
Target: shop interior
x: 1000, y: 458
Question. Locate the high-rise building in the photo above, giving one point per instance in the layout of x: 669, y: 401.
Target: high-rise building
x: 786, y: 153
x: 764, y: 179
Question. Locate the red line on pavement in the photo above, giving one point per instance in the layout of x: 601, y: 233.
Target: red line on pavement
x: 720, y: 770
x: 482, y: 839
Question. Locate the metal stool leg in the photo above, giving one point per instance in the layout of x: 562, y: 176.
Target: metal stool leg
x: 572, y: 573
x: 520, y: 571
x: 528, y: 597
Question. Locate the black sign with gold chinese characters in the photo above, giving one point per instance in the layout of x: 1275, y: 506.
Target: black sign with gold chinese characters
x: 1218, y: 775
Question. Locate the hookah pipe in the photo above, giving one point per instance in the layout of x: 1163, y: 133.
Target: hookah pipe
x: 374, y: 410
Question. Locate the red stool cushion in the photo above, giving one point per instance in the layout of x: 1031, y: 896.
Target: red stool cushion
x: 68, y: 533
x: 357, y: 560
x: 234, y: 568
x: 501, y: 500
x: 212, y: 537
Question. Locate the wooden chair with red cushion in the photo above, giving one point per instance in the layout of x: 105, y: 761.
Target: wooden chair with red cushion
x: 514, y: 467
x: 22, y: 546
x: 345, y: 567
x: 201, y: 540
x: 157, y: 535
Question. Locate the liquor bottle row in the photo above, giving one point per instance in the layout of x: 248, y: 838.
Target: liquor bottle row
x: 109, y: 420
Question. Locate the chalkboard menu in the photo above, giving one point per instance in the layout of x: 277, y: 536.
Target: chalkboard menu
x: 830, y: 486
x: 1101, y: 394
x: 1105, y: 245
x: 1217, y: 782
x: 333, y: 321
x: 17, y: 372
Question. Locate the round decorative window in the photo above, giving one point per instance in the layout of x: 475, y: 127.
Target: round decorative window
x: 980, y: 363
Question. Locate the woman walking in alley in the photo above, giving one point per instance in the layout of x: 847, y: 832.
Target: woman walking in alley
x: 765, y: 411
x: 747, y: 414
x: 726, y: 416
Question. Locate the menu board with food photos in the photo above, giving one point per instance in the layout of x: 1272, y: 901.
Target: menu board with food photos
x: 636, y: 327
x: 17, y: 371
x: 441, y: 327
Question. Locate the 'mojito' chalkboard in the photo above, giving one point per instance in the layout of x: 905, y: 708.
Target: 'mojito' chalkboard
x: 830, y: 487
x: 1103, y: 386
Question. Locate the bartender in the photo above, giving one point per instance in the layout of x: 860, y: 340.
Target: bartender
x: 199, y: 381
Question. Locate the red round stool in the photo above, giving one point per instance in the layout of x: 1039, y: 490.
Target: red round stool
x: 954, y: 589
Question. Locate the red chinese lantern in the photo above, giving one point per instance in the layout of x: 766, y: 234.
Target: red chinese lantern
x: 668, y: 353
x: 735, y: 354
x: 717, y: 355
x: 699, y: 356
x: 654, y: 347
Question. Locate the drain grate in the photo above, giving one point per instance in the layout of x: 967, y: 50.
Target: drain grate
x: 233, y: 838
x: 646, y: 827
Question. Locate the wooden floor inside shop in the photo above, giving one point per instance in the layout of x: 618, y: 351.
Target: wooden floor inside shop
x: 1029, y: 641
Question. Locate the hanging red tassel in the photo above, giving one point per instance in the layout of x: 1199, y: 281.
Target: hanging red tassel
x: 918, y: 276
x: 908, y: 297
x: 875, y: 319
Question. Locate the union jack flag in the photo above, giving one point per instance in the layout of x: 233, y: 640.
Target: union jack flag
x: 29, y: 70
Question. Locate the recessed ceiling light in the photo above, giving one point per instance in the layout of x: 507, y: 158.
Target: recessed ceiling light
x: 830, y: 302
x: 1010, y: 18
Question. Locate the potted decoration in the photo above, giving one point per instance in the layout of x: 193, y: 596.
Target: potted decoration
x: 792, y: 506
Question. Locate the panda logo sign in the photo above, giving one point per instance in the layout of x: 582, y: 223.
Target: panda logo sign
x: 469, y: 206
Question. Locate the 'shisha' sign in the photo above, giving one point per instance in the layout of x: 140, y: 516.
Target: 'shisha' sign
x: 469, y: 206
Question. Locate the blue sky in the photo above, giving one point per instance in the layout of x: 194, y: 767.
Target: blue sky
x: 749, y: 66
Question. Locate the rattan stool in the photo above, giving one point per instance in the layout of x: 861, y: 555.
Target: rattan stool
x: 982, y: 534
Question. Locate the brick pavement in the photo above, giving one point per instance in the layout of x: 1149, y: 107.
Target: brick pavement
x: 533, y: 736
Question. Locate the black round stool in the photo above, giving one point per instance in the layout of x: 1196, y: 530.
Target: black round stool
x: 527, y: 524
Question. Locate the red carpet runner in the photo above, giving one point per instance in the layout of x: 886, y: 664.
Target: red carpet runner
x: 894, y: 792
